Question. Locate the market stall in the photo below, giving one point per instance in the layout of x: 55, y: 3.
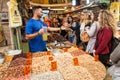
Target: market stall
x: 69, y: 64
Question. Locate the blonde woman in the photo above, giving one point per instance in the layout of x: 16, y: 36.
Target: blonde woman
x: 103, y: 41
x: 92, y: 32
x: 85, y: 22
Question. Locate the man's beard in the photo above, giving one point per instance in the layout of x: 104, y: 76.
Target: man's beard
x: 39, y: 16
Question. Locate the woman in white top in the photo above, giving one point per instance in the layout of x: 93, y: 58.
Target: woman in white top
x: 84, y: 23
x: 92, y: 32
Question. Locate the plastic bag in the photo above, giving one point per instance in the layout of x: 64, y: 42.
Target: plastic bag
x: 110, y: 70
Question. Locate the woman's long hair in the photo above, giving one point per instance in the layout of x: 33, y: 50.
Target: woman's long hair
x: 86, y: 16
x: 107, y: 20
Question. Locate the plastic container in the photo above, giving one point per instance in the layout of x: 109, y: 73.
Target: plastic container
x: 44, y: 35
x: 14, y: 52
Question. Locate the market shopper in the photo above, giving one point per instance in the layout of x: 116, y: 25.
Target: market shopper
x: 103, y: 41
x: 64, y: 33
x: 34, y: 31
x: 92, y: 31
x: 84, y: 22
x: 75, y: 26
x: 115, y: 59
x: 71, y: 33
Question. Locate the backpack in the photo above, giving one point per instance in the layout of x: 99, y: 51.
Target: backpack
x: 115, y: 43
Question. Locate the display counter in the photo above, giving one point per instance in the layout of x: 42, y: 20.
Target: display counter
x: 70, y: 64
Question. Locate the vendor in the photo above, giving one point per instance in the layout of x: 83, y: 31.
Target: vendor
x: 34, y: 31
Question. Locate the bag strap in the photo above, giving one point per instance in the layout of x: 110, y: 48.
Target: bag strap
x: 96, y: 44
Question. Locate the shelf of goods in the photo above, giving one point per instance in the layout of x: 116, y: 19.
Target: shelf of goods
x: 71, y: 64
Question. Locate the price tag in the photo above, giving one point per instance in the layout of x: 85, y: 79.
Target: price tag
x: 80, y: 48
x: 53, y: 66
x: 96, y: 57
x: 75, y: 60
x: 48, y: 52
x: 29, y: 55
x: 28, y: 62
x: 27, y: 70
x: 74, y: 45
x: 87, y: 53
x: 65, y: 49
x: 50, y: 58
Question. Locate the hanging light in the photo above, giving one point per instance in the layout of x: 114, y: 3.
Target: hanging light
x: 87, y: 1
x: 73, y: 2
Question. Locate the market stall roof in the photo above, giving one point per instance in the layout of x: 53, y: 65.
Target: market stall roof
x: 91, y: 5
x: 50, y: 5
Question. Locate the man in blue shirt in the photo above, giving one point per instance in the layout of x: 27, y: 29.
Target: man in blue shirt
x: 34, y: 31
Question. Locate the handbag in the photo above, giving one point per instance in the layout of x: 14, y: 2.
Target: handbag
x: 84, y: 36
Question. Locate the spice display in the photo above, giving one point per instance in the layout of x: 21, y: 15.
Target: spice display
x: 47, y: 76
x: 18, y: 61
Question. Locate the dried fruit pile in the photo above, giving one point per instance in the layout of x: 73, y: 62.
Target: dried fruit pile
x: 64, y: 66
x: 56, y: 37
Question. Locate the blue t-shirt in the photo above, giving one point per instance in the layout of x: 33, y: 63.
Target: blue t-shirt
x: 36, y: 44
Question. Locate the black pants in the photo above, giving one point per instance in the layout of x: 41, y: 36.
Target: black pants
x: 104, y: 58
